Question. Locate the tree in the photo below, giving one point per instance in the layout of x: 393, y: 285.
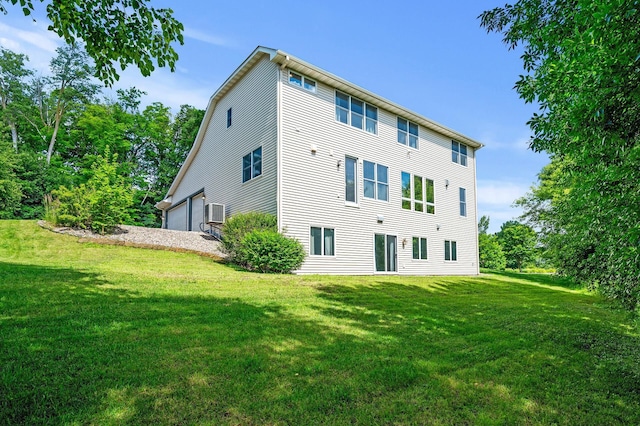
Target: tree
x: 122, y: 32
x: 582, y: 66
x: 518, y: 242
x: 490, y: 251
x: 10, y: 189
x: 12, y: 88
x: 491, y: 254
x: 483, y: 225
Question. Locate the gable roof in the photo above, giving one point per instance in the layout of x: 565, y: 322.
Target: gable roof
x: 285, y: 60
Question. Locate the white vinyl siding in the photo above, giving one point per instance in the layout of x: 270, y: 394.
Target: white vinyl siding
x: 314, y: 189
x: 216, y: 166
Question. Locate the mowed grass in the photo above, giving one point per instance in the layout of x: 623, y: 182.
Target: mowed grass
x: 93, y: 334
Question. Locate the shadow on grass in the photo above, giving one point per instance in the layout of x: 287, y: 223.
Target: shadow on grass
x: 535, y: 278
x: 78, y: 349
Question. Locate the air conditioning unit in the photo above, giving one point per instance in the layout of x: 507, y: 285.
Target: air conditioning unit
x: 214, y: 213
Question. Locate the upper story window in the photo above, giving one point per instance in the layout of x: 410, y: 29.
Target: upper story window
x: 463, y: 202
x: 302, y: 81
x: 229, y: 117
x: 252, y: 165
x: 418, y: 193
x: 350, y: 179
x: 376, y: 181
x: 407, y: 133
x: 350, y: 110
x: 459, y: 153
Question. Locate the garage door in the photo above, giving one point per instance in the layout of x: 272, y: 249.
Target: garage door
x: 177, y: 217
x: 197, y: 212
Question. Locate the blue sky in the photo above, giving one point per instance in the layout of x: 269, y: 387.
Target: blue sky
x: 431, y: 57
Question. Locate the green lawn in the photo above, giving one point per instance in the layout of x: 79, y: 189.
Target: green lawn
x: 93, y: 334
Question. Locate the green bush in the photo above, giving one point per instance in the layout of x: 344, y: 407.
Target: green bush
x: 101, y: 204
x: 238, y: 226
x: 269, y: 251
x: 491, y: 254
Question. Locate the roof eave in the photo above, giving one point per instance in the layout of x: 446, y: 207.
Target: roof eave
x: 296, y: 64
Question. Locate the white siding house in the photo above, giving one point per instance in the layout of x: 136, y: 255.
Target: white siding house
x: 365, y: 185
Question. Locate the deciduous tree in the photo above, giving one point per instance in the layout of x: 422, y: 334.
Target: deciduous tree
x: 582, y: 66
x: 117, y: 33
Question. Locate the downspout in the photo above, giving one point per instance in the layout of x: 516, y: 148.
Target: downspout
x: 279, y: 145
x: 475, y: 196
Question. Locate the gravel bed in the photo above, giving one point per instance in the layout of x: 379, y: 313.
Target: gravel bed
x: 198, y: 242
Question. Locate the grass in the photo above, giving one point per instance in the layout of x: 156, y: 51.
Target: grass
x: 94, y: 334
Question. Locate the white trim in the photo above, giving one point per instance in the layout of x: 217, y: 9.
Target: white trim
x: 279, y: 151
x: 321, y: 256
x: 349, y: 112
x: 320, y: 76
x: 386, y: 266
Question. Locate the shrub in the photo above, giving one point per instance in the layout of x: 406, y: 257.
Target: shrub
x: 238, y: 226
x: 269, y: 251
x: 101, y: 204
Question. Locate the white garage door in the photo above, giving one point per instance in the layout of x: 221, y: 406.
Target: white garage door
x: 177, y: 217
x: 197, y: 212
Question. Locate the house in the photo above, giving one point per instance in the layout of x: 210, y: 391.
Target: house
x: 366, y: 185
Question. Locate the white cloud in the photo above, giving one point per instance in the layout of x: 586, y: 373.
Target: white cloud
x: 495, y: 199
x: 519, y: 144
x: 206, y: 38
x: 169, y: 88
x: 37, y: 36
x: 36, y: 42
x: 493, y: 192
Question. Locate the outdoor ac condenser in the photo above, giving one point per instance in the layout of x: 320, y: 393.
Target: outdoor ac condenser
x: 214, y: 213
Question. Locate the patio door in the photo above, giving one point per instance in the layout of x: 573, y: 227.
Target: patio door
x: 386, y: 253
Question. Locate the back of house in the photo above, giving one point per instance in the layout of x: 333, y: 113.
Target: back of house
x: 365, y: 185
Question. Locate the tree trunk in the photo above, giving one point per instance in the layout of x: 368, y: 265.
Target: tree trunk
x: 14, y: 136
x: 53, y: 140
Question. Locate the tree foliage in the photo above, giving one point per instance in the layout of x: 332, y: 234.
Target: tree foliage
x: 582, y: 66
x: 117, y: 33
x: 10, y: 188
x: 148, y: 143
x: 490, y: 251
x: 101, y: 204
x: 518, y: 242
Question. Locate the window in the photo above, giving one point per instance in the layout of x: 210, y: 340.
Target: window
x: 459, y: 153
x: 350, y: 175
x: 350, y: 110
x: 229, y: 117
x: 320, y: 246
x: 385, y: 253
x: 376, y: 181
x: 463, y: 202
x: 418, y: 194
x: 450, y: 251
x: 407, y: 133
x: 252, y: 165
x: 302, y: 81
x: 419, y: 248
